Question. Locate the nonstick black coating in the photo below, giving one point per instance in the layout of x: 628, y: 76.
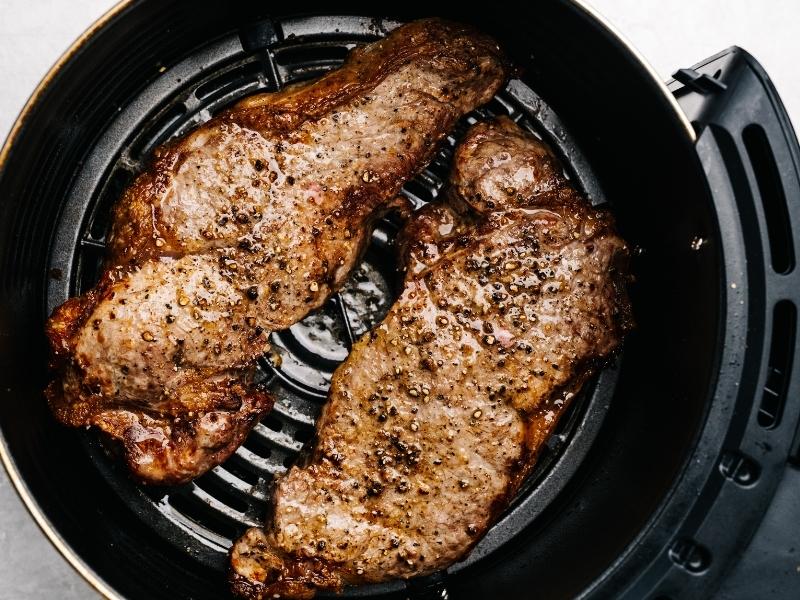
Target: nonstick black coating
x: 643, y: 160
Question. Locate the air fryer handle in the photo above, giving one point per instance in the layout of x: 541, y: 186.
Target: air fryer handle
x: 751, y: 158
x: 750, y: 153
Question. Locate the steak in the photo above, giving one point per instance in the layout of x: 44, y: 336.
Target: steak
x: 242, y: 228
x: 514, y: 295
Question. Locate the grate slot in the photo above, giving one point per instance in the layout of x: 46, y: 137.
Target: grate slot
x: 259, y: 446
x: 414, y: 198
x: 272, y: 423
x: 420, y: 192
x: 279, y: 438
x: 157, y: 131
x: 312, y: 54
x: 231, y: 81
x: 303, y: 435
x: 221, y: 508
x: 100, y: 218
x: 223, y: 491
x: 88, y: 263
x: 440, y: 166
x: 294, y: 386
x: 503, y: 105
x: 296, y: 409
x: 781, y: 354
x: 249, y: 501
x: 431, y: 180
x: 203, y: 537
x: 305, y: 61
x: 206, y: 515
x: 265, y: 467
x: 240, y: 478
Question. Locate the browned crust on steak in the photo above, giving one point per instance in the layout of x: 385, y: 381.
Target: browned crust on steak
x: 172, y: 450
x: 452, y: 44
x: 438, y: 42
x: 287, y: 576
x: 515, y: 294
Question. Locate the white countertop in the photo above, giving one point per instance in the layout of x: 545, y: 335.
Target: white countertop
x: 671, y: 35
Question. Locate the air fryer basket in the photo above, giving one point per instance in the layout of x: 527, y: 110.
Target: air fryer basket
x: 692, y: 418
x: 204, y: 517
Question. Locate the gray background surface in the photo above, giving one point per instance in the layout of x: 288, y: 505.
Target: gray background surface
x: 33, y: 33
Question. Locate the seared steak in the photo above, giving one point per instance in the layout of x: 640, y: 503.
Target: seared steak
x: 514, y: 295
x: 243, y: 228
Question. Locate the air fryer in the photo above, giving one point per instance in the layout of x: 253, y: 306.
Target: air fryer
x: 665, y: 468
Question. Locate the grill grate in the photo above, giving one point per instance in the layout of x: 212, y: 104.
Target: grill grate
x: 203, y: 517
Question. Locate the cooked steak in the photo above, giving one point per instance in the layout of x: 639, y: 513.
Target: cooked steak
x: 514, y: 295
x: 242, y: 228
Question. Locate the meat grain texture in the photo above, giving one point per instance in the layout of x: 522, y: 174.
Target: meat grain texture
x: 243, y: 228
x: 514, y: 295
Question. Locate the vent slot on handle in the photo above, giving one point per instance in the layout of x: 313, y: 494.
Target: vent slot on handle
x: 773, y: 198
x: 781, y: 353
